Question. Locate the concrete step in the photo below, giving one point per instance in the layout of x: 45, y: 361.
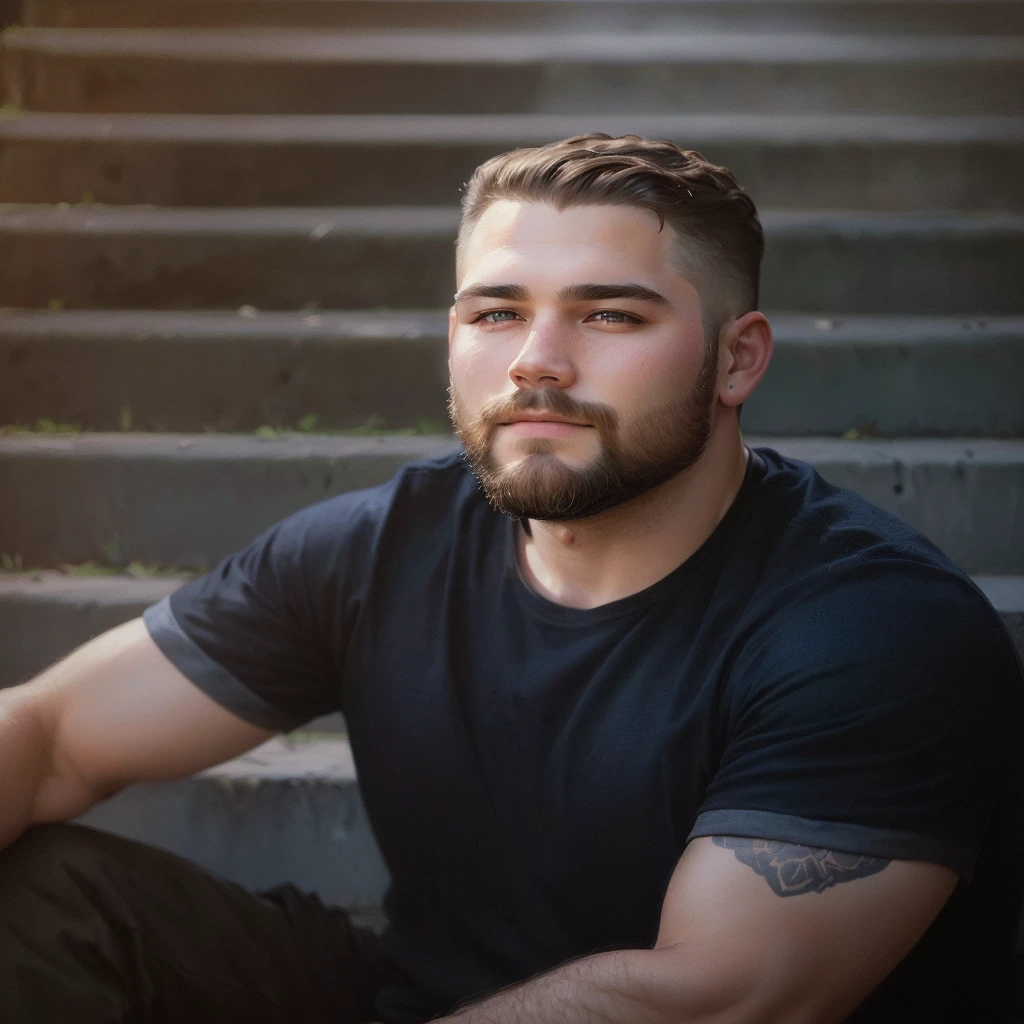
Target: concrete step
x: 250, y: 71
x: 188, y: 500
x: 908, y: 376
x: 849, y: 161
x: 45, y: 615
x: 912, y: 16
x: 303, y: 788
x: 172, y: 499
x: 352, y: 258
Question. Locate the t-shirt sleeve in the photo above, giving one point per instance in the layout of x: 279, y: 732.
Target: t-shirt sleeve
x: 263, y: 632
x: 872, y: 709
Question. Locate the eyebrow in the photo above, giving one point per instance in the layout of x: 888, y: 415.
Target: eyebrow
x: 570, y: 293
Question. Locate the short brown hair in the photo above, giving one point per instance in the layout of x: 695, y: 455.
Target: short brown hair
x: 703, y: 202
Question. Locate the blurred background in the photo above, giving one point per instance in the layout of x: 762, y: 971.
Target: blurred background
x: 226, y: 251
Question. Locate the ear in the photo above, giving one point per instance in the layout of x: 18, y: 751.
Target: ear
x: 745, y: 349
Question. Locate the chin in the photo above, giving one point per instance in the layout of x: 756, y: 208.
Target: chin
x: 519, y: 448
x: 512, y: 451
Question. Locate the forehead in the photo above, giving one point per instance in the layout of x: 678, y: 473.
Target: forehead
x: 514, y: 235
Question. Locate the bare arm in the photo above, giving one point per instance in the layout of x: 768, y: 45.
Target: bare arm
x: 752, y: 932
x: 115, y: 711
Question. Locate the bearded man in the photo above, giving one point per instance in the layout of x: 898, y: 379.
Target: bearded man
x: 651, y: 727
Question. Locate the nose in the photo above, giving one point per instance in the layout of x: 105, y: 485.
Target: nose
x: 543, y: 361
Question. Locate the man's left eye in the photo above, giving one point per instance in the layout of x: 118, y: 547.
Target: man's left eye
x: 616, y: 316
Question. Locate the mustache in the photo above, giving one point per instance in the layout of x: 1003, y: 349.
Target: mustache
x: 503, y: 408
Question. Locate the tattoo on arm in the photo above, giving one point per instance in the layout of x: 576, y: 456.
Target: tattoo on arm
x: 791, y: 869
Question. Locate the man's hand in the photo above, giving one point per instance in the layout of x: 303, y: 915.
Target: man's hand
x: 753, y: 931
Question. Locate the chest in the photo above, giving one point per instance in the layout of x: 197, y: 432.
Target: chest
x: 579, y: 747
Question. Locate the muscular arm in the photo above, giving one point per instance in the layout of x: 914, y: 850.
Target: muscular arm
x: 753, y: 931
x: 115, y: 711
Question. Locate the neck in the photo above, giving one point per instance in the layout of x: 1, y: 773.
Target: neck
x: 589, y: 562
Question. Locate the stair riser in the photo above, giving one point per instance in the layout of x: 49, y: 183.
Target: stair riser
x: 910, y: 387
x: 756, y: 15
x: 235, y: 828
x: 67, y: 505
x: 171, y: 512
x: 233, y: 386
x: 865, y: 175
x: 36, y: 632
x: 807, y: 268
x: 150, y: 83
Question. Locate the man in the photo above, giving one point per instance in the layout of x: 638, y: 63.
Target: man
x: 651, y: 727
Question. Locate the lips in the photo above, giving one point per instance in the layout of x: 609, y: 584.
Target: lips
x: 543, y: 419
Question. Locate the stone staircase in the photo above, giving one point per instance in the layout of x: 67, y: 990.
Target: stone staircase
x: 228, y: 218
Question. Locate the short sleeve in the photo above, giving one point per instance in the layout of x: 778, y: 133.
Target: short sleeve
x: 250, y: 633
x: 874, y: 708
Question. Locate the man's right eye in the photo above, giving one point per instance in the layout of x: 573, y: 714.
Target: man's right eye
x: 503, y: 315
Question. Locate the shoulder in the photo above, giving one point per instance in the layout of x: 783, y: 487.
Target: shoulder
x: 882, y: 601
x: 895, y: 651
x: 342, y: 536
x: 832, y: 548
x: 816, y: 522
x: 850, y: 591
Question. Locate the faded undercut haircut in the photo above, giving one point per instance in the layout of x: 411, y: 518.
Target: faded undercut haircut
x: 721, y: 241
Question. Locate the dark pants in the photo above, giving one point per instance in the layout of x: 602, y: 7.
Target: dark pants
x: 95, y: 928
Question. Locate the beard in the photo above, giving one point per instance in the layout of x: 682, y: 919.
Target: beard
x: 538, y: 484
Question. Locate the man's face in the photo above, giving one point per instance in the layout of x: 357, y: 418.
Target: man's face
x: 579, y: 377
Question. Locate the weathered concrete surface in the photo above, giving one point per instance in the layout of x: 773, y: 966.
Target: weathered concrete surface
x: 908, y: 376
x: 166, y: 499
x: 899, y: 376
x: 289, y: 811
x: 322, y: 72
x: 44, y: 616
x: 222, y: 371
x: 828, y: 161
x: 195, y: 259
x: 188, y: 501
x: 988, y: 17
x: 365, y: 257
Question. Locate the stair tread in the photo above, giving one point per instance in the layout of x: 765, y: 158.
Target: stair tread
x: 1002, y: 451
x: 477, y: 129
x: 474, y: 46
x: 399, y: 220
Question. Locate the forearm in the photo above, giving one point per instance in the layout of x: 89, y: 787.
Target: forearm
x: 627, y: 986
x: 22, y: 766
x: 31, y: 792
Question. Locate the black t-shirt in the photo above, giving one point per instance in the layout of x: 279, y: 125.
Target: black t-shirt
x: 817, y: 672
